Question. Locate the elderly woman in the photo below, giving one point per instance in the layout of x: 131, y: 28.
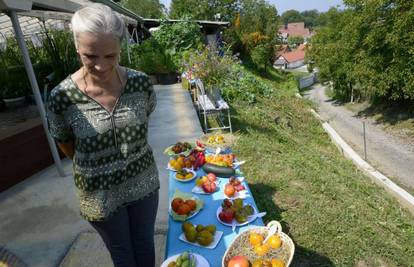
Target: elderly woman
x: 99, y: 118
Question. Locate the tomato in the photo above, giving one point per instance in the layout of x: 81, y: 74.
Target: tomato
x: 274, y: 242
x: 261, y: 250
x: 238, y: 261
x: 277, y: 263
x: 211, y: 177
x: 229, y: 190
x: 176, y: 203
x: 255, y: 239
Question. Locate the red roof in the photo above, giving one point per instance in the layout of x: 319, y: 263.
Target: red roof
x: 302, y: 47
x: 295, y: 29
x: 294, y: 56
x: 281, y: 50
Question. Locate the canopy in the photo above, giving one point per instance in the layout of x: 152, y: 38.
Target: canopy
x: 47, y: 9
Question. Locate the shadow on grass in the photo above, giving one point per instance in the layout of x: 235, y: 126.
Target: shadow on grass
x: 391, y: 114
x: 303, y: 257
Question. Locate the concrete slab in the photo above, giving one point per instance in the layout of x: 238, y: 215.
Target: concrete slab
x: 39, y: 217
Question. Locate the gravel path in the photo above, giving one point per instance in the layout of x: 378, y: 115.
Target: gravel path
x: 389, y: 154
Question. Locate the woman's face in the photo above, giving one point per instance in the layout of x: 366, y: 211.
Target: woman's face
x: 99, y: 53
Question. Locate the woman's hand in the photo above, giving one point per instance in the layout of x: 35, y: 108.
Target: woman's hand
x: 67, y: 148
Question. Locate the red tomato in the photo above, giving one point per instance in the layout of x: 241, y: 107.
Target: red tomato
x: 238, y: 261
x: 211, y: 177
x: 229, y: 190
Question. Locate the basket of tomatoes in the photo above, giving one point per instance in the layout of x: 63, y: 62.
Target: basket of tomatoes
x: 260, y: 246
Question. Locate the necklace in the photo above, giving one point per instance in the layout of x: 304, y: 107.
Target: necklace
x: 84, y: 80
x: 86, y: 84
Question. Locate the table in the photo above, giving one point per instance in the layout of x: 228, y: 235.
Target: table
x: 206, y: 216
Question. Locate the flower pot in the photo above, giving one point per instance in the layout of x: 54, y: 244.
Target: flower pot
x: 14, y: 102
x: 168, y: 78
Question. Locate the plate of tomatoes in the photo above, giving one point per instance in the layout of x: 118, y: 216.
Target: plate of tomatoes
x: 184, y: 206
x: 235, y: 213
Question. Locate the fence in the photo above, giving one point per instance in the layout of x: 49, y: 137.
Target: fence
x: 307, y: 81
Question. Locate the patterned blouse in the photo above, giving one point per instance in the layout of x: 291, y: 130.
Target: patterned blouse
x: 113, y: 164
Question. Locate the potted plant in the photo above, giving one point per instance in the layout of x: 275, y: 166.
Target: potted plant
x: 166, y: 68
x: 15, y: 86
x: 151, y: 58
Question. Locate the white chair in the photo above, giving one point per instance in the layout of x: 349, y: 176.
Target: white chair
x: 213, y: 106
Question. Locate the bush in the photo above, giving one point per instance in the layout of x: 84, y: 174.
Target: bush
x: 152, y: 58
x: 225, y: 73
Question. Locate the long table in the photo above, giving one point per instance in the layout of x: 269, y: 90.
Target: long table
x: 206, y: 216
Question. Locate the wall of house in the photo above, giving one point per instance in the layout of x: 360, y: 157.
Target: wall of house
x: 296, y: 64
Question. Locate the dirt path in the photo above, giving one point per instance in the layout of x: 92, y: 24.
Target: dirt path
x: 389, y: 154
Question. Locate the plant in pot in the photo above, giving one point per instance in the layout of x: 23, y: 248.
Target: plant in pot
x: 15, y: 86
x: 165, y: 68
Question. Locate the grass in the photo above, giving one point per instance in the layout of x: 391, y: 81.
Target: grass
x: 335, y: 215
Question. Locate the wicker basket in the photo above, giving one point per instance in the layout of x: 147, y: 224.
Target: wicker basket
x: 241, y: 246
x: 229, y: 140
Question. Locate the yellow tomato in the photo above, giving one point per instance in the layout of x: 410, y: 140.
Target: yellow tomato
x: 255, y: 239
x: 274, y: 242
x: 261, y: 250
x: 261, y: 263
x: 277, y: 263
x: 199, y: 182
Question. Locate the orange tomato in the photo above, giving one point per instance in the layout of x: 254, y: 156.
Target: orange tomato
x: 261, y: 263
x: 277, y: 263
x: 255, y: 239
x: 274, y: 242
x: 261, y: 250
x: 191, y: 203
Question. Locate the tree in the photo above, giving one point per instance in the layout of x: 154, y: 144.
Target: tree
x: 256, y: 23
x: 310, y: 17
x: 295, y: 40
x: 261, y: 55
x: 145, y: 8
x: 223, y: 10
x: 366, y: 50
x: 291, y: 16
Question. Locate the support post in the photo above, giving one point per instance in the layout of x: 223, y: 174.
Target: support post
x: 35, y: 88
x: 365, y: 142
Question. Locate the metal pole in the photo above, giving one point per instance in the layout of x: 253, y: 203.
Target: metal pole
x: 35, y: 87
x: 365, y: 142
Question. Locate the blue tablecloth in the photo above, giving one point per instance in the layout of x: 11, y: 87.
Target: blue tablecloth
x: 206, y: 216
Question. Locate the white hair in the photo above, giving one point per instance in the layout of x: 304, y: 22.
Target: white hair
x: 97, y: 19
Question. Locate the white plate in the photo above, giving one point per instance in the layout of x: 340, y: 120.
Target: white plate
x: 200, y: 260
x: 198, y: 190
x: 249, y: 219
x: 170, y: 211
x: 186, y: 180
x: 217, y: 237
x: 170, y: 168
x: 241, y: 194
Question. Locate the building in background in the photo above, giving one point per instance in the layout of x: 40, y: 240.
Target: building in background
x: 296, y: 29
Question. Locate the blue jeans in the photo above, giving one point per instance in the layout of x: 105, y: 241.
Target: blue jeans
x: 129, y: 233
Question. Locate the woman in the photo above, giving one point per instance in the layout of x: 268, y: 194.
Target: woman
x: 99, y: 118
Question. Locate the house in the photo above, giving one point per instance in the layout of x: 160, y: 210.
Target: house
x: 291, y: 60
x: 295, y: 29
x: 280, y: 50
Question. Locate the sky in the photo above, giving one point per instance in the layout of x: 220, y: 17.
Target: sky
x: 300, y: 5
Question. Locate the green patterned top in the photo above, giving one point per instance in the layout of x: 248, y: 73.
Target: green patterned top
x: 113, y: 164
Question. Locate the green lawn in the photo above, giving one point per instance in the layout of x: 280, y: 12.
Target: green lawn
x: 335, y: 215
